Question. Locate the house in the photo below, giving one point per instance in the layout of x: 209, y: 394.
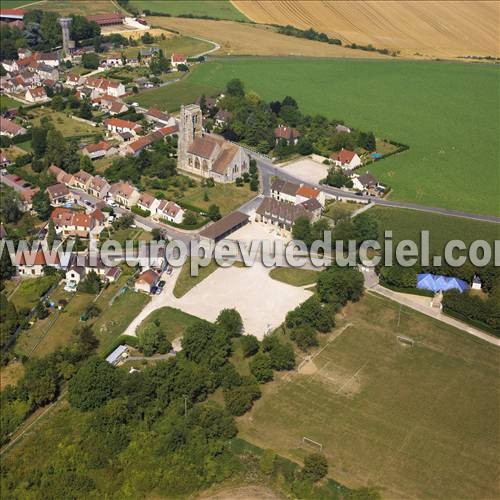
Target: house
x: 159, y: 117
x: 135, y: 147
x: 305, y: 193
x: 222, y: 117
x: 10, y: 65
x: 117, y: 107
x: 48, y: 58
x: 81, y: 265
x: 113, y: 59
x: 365, y: 182
x: 9, y: 128
x: 284, y: 191
x: 72, y: 223
x: 98, y: 187
x: 148, y: 202
x: 117, y: 125
x: 116, y: 89
x: 177, y: 59
x: 347, y: 160
x: 59, y: 194
x: 47, y: 72
x: 98, y: 216
x: 170, y: 211
x: 25, y: 190
x: 102, y: 86
x: 107, y: 19
x: 124, y: 194
x: 288, y: 134
x: 73, y: 80
x: 146, y: 281
x: 60, y: 175
x: 224, y: 227
x: 99, y: 150
x: 81, y: 180
x: 283, y: 214
x: 148, y: 52
x: 31, y: 266
x: 4, y: 161
x: 36, y: 94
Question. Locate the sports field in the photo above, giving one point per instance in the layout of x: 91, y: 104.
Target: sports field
x: 221, y: 9
x: 418, y: 422
x: 446, y: 112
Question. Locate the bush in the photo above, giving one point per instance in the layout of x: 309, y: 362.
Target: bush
x: 315, y: 467
x: 310, y: 313
x: 261, y: 367
x: 140, y: 211
x: 304, y: 337
x: 239, y: 400
x: 249, y: 345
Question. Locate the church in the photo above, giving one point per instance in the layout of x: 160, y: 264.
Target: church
x: 207, y: 155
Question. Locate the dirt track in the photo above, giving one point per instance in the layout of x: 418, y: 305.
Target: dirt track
x: 431, y: 28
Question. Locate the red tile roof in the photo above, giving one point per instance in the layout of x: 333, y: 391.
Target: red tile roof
x: 345, y: 156
x: 118, y: 122
x: 178, y: 58
x: 308, y: 192
x: 286, y: 133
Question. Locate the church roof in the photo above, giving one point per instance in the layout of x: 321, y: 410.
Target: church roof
x: 203, y: 146
x: 228, y: 152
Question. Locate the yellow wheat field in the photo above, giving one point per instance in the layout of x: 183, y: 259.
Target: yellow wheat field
x: 429, y: 28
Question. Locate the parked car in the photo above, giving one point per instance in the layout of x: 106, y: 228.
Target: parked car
x: 154, y: 289
x: 161, y: 284
x: 169, y: 270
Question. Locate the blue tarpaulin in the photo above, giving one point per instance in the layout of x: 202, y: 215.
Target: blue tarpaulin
x: 436, y: 283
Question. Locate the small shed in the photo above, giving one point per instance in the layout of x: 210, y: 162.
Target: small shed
x: 118, y: 355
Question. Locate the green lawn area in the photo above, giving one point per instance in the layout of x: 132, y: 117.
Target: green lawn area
x: 172, y: 96
x: 8, y: 102
x: 177, y: 43
x: 31, y: 289
x: 221, y: 9
x: 415, y: 421
x: 122, y: 235
x: 67, y: 125
x: 185, y: 281
x: 226, y: 196
x: 407, y: 224
x: 294, y: 276
x: 78, y: 7
x: 114, y: 319
x: 173, y: 321
x: 445, y: 112
x: 340, y: 210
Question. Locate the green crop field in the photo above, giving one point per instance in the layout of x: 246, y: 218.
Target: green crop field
x: 417, y: 422
x: 221, y: 9
x: 407, y: 225
x: 172, y: 96
x: 446, y: 112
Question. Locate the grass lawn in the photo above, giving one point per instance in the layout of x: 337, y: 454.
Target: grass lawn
x: 103, y: 163
x: 415, y: 421
x: 172, y: 96
x: 294, y: 276
x: 114, y: 319
x: 79, y: 7
x: 11, y: 374
x: 338, y: 210
x: 407, y: 224
x: 177, y: 43
x: 62, y: 122
x: 31, y: 289
x: 26, y: 145
x: 445, y: 112
x: 173, y: 321
x: 226, y: 196
x: 221, y: 9
x: 185, y: 281
x: 8, y: 102
x: 122, y: 235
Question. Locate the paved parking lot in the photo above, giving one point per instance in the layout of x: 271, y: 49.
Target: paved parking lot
x: 307, y: 170
x: 261, y: 301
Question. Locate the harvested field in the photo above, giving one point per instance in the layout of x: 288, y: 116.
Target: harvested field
x: 79, y: 7
x: 246, y: 39
x: 431, y: 28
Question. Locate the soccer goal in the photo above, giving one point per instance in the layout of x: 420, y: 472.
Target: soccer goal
x: 406, y: 340
x: 312, y: 443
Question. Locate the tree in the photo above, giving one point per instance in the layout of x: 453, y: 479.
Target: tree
x: 90, y: 60
x: 230, y: 322
x: 40, y: 381
x: 39, y: 141
x: 152, y: 339
x: 239, y: 400
x: 398, y: 276
x: 315, y: 467
x: 249, y: 345
x: 94, y: 383
x: 41, y: 204
x: 147, y: 38
x: 235, y: 88
x: 301, y: 230
x: 91, y: 283
x: 340, y: 284
x: 261, y: 367
x: 86, y: 164
x: 312, y: 313
x: 85, y: 110
x: 57, y: 103
x: 282, y: 357
x: 366, y: 227
x: 337, y: 178
x: 51, y: 233
x: 10, y: 207
x: 56, y: 147
x: 41, y: 311
x: 254, y: 184
x: 190, y: 218
x: 214, y: 212
x: 304, y: 337
x: 305, y: 146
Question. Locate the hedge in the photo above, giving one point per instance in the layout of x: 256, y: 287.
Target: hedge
x: 188, y: 206
x: 184, y: 226
x: 413, y: 291
x: 139, y: 211
x: 470, y: 321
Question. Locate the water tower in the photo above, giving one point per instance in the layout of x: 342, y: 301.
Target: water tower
x: 65, y: 23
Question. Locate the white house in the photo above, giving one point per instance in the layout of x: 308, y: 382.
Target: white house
x: 347, y: 160
x: 177, y: 59
x: 284, y: 191
x: 124, y: 194
x: 118, y: 126
x: 170, y: 211
x: 148, y: 202
x: 36, y: 94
